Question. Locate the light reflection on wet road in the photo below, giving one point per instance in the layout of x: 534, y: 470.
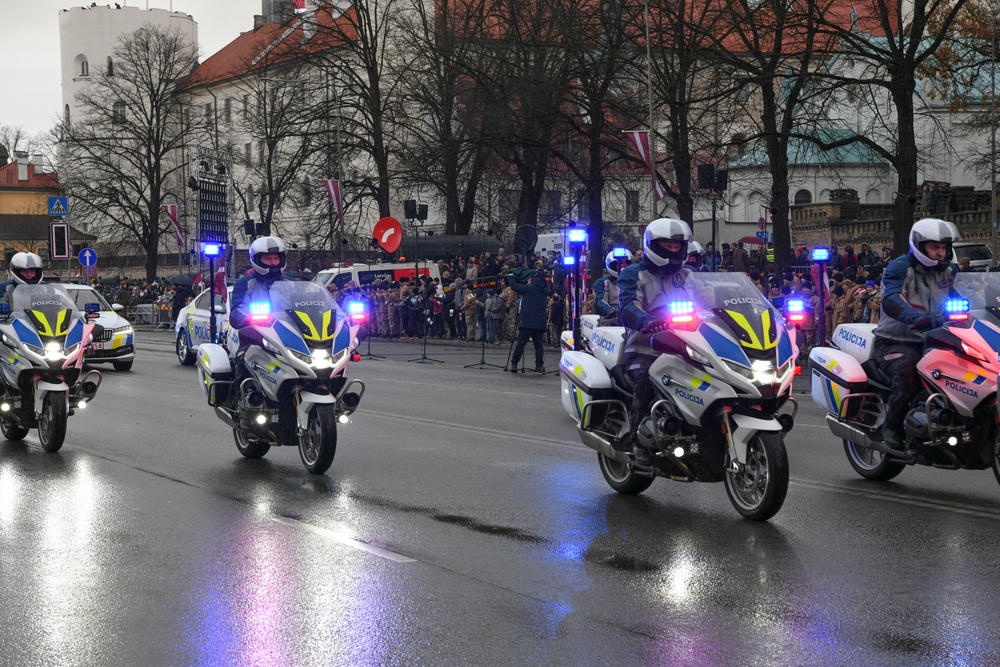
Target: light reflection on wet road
x: 148, y: 541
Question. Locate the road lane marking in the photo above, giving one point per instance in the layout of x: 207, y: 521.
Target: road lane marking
x: 343, y: 539
x: 904, y: 499
x: 461, y: 389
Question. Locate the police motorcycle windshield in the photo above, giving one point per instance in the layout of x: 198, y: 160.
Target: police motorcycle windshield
x: 49, y: 308
x: 310, y: 310
x: 983, y: 292
x: 733, y: 301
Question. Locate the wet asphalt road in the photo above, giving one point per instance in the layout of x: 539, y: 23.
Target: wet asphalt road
x: 462, y: 524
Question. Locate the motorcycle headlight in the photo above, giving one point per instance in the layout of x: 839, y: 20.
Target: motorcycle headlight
x: 763, y: 372
x: 53, y: 351
x: 697, y: 356
x: 742, y: 371
x: 304, y: 358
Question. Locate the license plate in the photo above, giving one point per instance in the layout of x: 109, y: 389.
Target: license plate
x: 97, y: 345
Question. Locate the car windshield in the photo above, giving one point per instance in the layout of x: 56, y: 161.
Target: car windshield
x: 84, y: 296
x: 41, y: 297
x: 975, y: 253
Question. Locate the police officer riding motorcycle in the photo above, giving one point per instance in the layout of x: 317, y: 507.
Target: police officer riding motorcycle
x: 606, y: 287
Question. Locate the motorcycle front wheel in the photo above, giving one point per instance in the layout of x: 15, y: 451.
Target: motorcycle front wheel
x: 872, y: 464
x: 318, y: 444
x: 995, y: 461
x: 758, y: 490
x: 52, y: 422
x: 250, y: 449
x: 622, y: 477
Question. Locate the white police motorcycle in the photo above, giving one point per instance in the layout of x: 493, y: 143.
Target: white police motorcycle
x: 43, y: 338
x: 725, y: 370
x: 295, y: 388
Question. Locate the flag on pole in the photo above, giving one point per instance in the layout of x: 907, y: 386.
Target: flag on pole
x: 641, y: 140
x: 219, y: 284
x: 825, y: 282
x: 333, y: 189
x: 171, y: 211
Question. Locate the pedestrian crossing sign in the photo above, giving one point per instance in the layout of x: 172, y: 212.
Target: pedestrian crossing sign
x: 58, y: 207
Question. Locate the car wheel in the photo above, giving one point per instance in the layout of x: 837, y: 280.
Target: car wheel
x: 123, y: 365
x: 185, y: 354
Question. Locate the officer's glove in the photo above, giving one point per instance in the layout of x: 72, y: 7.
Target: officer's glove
x: 928, y: 322
x: 654, y: 328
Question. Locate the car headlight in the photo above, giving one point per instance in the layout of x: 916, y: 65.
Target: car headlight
x: 124, y: 331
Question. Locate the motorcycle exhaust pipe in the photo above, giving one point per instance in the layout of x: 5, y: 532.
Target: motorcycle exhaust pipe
x: 602, y: 446
x: 858, y: 436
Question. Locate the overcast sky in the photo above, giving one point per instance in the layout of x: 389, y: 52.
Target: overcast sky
x: 30, y: 86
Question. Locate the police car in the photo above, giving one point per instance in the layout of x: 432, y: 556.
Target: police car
x: 193, y: 325
x: 113, y: 335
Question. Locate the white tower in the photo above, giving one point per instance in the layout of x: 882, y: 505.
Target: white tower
x: 88, y: 35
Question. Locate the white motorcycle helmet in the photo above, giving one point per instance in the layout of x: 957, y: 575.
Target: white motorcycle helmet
x: 25, y: 261
x: 671, y: 229
x: 613, y: 262
x: 933, y: 229
x: 267, y: 245
x: 695, y: 250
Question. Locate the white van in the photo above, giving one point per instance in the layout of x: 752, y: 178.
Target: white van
x: 366, y: 274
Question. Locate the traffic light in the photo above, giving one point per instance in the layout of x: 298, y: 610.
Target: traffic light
x: 59, y: 244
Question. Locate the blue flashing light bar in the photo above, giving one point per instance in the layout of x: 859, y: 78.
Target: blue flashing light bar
x: 577, y: 235
x: 681, y: 307
x: 795, y: 306
x: 956, y: 306
x: 212, y: 250
x: 355, y: 307
x: 619, y: 252
x: 821, y: 254
x: 260, y: 309
x: 569, y: 260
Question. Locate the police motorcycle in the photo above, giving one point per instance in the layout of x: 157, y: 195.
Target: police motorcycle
x: 295, y: 390
x: 725, y: 370
x: 953, y: 422
x: 43, y: 338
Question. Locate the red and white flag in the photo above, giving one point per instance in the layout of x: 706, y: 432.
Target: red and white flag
x: 220, y: 279
x: 641, y: 140
x: 333, y: 189
x: 825, y: 282
x: 171, y: 211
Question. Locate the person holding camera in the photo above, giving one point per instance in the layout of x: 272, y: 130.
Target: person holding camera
x: 533, y: 317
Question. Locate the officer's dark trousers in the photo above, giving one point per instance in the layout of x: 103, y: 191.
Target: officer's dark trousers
x: 898, y: 361
x: 637, y: 367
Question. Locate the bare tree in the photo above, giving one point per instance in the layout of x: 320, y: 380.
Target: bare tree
x: 123, y: 153
x: 891, y: 42
x: 442, y: 122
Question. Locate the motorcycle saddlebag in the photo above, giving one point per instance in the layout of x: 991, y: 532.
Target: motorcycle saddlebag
x: 580, y: 377
x: 835, y: 374
x: 215, y: 372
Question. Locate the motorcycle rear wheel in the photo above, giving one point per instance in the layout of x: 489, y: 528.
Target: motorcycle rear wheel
x: 52, y: 422
x: 12, y: 431
x: 318, y: 445
x: 872, y: 464
x: 758, y: 490
x: 622, y: 477
x: 250, y: 449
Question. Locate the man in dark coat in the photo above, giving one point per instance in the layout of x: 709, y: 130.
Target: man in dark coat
x: 532, y: 323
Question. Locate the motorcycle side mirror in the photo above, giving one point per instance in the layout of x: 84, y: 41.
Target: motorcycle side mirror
x: 220, y: 309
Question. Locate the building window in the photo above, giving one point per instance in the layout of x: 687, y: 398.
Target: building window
x: 118, y: 113
x: 803, y: 197
x: 227, y: 110
x: 508, y: 204
x: 631, y: 206
x: 260, y: 154
x: 111, y: 66
x: 208, y: 114
x: 248, y: 153
x: 306, y: 193
x: 246, y: 107
x: 84, y: 68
